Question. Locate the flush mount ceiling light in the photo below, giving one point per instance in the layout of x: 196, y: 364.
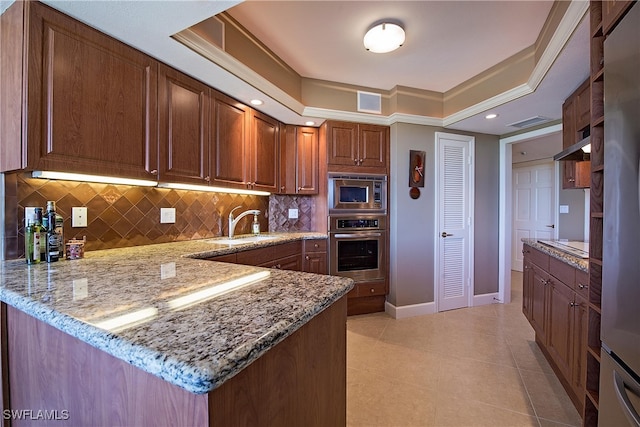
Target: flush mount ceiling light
x: 491, y: 116
x: 256, y: 102
x: 384, y: 37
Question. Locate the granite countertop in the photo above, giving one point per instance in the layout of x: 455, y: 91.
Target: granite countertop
x: 184, y: 333
x: 572, y: 260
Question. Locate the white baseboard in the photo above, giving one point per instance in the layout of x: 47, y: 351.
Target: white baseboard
x: 405, y: 311
x: 485, y: 299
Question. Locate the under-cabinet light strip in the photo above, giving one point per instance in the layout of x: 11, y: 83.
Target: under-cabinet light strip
x: 140, y: 182
x: 92, y: 178
x: 178, y: 186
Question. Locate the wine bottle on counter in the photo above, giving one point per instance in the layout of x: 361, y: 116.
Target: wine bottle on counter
x: 53, y: 241
x: 43, y: 233
x: 32, y: 240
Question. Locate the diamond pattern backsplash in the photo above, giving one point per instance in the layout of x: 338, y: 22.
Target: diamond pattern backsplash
x: 279, y: 206
x: 124, y: 215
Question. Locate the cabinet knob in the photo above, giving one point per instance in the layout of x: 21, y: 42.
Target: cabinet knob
x: 315, y: 245
x: 360, y: 161
x: 581, y: 286
x: 207, y: 178
x: 572, y: 180
x: 154, y: 172
x: 355, y: 161
x: 299, y: 188
x: 574, y: 304
x: 307, y: 258
x: 282, y: 188
x: 372, y: 290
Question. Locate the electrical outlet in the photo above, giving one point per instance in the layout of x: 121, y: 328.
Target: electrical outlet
x: 79, y: 217
x: 167, y: 215
x: 293, y: 213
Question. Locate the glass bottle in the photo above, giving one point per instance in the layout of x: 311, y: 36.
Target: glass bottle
x: 53, y: 244
x: 32, y: 240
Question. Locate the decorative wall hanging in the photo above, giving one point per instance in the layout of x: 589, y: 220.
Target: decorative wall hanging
x: 416, y: 168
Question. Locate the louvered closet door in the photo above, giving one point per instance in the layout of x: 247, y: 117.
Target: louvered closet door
x: 454, y: 221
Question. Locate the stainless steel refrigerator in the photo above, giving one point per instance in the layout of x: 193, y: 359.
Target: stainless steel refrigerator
x: 619, y: 403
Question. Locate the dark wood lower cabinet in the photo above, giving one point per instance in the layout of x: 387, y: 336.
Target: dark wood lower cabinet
x: 300, y: 381
x: 554, y: 303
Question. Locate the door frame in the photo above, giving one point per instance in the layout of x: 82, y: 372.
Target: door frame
x: 506, y: 207
x: 471, y: 200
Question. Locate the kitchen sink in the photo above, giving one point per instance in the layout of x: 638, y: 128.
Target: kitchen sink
x: 241, y: 240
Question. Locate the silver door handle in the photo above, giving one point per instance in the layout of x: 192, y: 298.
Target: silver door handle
x: 621, y: 394
x: 551, y: 226
x: 356, y: 235
x: 445, y: 234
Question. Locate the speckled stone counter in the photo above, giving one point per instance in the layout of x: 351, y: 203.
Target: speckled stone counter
x: 156, y: 307
x: 572, y: 260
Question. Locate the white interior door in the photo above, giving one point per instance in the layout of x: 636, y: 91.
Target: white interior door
x: 533, y: 207
x: 454, y: 271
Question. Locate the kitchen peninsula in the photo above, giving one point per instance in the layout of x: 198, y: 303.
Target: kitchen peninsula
x: 158, y: 335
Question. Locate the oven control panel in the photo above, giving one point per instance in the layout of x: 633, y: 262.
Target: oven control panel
x: 357, y: 223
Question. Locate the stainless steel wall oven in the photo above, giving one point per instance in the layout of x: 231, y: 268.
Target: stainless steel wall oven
x: 357, y: 246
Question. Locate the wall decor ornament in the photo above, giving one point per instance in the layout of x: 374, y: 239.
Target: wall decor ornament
x: 416, y: 168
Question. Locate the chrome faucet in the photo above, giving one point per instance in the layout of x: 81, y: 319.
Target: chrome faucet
x: 233, y: 222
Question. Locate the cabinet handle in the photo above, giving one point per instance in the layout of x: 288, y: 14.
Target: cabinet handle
x: 355, y: 161
x: 581, y: 286
x: 524, y: 252
x: 307, y: 258
x: 574, y: 304
x: 360, y: 161
x: 526, y: 267
x: 372, y: 290
x: 207, y: 178
x: 315, y: 245
x: 282, y: 188
x: 278, y: 266
x: 572, y: 180
x: 154, y: 172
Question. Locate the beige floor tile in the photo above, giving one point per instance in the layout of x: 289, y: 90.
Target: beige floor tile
x: 373, y: 401
x: 489, y: 383
x: 478, y: 366
x: 455, y: 412
x: 549, y: 399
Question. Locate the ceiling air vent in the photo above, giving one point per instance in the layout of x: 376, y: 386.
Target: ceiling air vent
x: 369, y: 102
x: 531, y: 121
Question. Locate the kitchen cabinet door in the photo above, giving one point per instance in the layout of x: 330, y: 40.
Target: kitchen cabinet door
x: 539, y: 302
x: 527, y: 287
x: 559, y: 339
x: 184, y: 116
x: 569, y: 131
x: 264, y: 150
x: 91, y: 100
x: 315, y: 256
x: 230, y: 151
x: 576, y: 174
x: 373, y: 141
x: 583, y: 106
x: 342, y: 143
x: 579, y: 331
x: 298, y: 160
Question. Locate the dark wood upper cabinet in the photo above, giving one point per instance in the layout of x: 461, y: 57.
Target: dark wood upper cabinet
x: 264, y: 147
x: 583, y: 107
x: 354, y: 147
x: 246, y: 146
x: 612, y: 13
x: 184, y: 105
x: 298, y: 160
x: 230, y: 150
x: 90, y: 100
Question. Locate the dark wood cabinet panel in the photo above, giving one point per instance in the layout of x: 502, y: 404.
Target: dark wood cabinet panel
x: 559, y: 339
x: 372, y: 147
x: 583, y: 106
x: 539, y: 302
x: 579, y: 352
x: 342, y: 143
x: 569, y: 131
x: 576, y: 174
x: 184, y: 105
x: 263, y: 149
x: 357, y: 147
x: 527, y: 288
x: 299, y: 160
x: 91, y: 100
x: 230, y: 152
x: 315, y: 256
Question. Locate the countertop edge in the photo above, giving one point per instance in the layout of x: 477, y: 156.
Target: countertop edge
x: 579, y: 263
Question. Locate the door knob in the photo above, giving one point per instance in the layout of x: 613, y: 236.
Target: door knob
x: 551, y: 226
x: 445, y: 234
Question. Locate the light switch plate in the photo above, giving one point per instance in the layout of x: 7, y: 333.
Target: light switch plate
x: 79, y: 217
x: 167, y: 215
x: 564, y: 209
x: 293, y: 213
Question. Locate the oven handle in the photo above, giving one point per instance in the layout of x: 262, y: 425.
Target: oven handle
x: 356, y: 235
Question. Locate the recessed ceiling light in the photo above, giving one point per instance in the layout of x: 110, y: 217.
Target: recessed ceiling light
x: 309, y: 123
x: 491, y: 116
x: 256, y: 102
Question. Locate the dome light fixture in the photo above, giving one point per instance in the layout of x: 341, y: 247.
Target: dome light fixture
x: 491, y: 116
x: 384, y: 37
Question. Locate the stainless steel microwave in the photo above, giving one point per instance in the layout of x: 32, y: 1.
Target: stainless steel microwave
x: 362, y: 193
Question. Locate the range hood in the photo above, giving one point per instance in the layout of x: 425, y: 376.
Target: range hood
x: 576, y: 152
